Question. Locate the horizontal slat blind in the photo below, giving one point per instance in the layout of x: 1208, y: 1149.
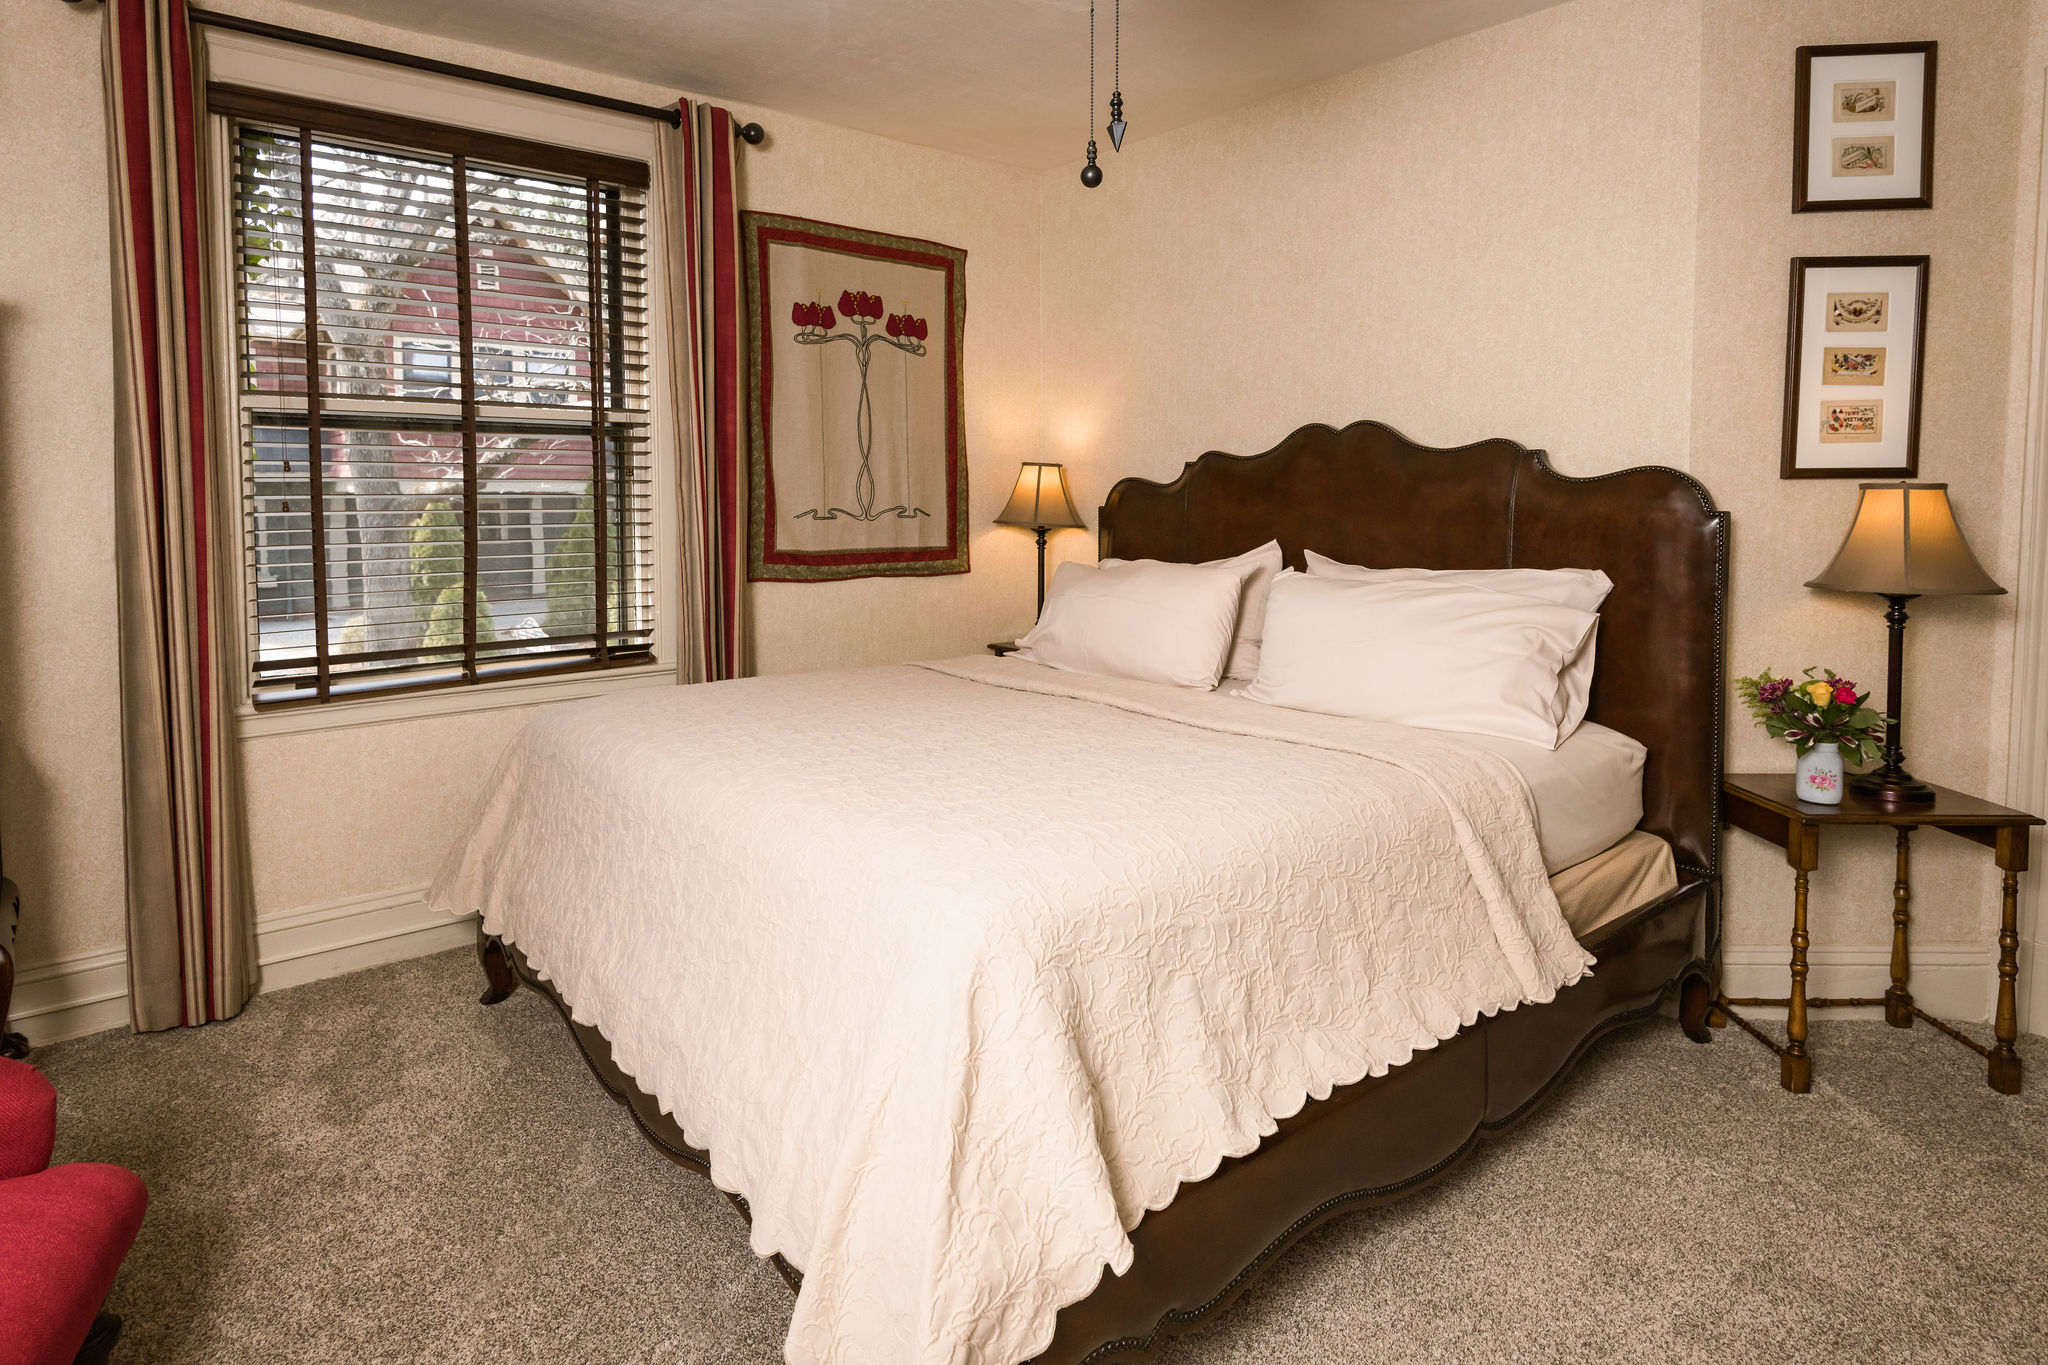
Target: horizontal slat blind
x: 478, y: 499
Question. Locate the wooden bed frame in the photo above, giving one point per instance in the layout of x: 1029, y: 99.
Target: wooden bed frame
x: 1368, y: 495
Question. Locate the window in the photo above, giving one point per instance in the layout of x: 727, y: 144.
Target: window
x: 451, y: 484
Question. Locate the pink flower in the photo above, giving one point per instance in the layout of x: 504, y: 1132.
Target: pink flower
x: 1845, y: 694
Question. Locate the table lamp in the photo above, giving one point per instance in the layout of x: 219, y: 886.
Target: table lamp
x: 1903, y: 544
x: 1041, y: 502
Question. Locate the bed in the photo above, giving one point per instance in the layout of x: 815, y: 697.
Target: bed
x: 949, y: 1059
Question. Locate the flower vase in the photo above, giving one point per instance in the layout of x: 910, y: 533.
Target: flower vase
x: 1817, y: 778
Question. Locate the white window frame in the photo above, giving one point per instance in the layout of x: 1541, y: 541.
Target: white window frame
x: 309, y: 73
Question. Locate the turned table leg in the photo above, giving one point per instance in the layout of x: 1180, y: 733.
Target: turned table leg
x: 1898, y: 1000
x: 2004, y: 1073
x: 1795, y: 1068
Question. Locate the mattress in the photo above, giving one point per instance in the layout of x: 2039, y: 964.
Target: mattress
x: 1588, y: 791
x: 1614, y: 881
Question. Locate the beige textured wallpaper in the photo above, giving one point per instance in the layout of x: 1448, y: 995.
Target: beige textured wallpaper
x: 352, y: 812
x: 60, y: 737
x: 1574, y: 230
x: 1972, y: 424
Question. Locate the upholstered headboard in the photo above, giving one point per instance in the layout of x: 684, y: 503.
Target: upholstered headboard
x: 1369, y: 495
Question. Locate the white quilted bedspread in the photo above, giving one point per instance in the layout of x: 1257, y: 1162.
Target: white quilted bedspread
x: 957, y: 969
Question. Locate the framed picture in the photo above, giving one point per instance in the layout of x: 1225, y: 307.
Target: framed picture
x: 1855, y: 340
x: 1863, y: 128
x: 858, y: 452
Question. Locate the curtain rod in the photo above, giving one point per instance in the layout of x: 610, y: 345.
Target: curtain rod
x: 671, y: 116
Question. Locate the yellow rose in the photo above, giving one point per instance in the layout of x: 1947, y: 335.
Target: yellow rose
x: 1821, y: 693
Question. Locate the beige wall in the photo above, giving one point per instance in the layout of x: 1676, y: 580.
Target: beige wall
x: 1571, y: 229
x: 1574, y: 230
x: 60, y: 737
x: 1980, y: 236
x: 344, y: 813
x: 1493, y: 236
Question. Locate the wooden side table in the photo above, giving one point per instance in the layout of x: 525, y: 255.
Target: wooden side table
x: 1763, y: 804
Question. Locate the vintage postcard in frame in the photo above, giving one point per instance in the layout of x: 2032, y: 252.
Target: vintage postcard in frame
x: 1852, y: 365
x: 858, y: 449
x: 1857, y: 312
x: 1855, y: 344
x: 1859, y: 420
x: 1863, y: 127
x: 1866, y: 101
x: 1863, y: 156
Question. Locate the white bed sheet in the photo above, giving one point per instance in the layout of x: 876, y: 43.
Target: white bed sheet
x: 1588, y: 790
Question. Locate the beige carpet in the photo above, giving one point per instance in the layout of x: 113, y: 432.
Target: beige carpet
x: 374, y: 1168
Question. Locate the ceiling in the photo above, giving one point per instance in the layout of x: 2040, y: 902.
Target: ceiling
x: 1002, y: 79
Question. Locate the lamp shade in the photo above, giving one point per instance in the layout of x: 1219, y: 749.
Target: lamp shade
x: 1905, y: 543
x: 1040, y: 499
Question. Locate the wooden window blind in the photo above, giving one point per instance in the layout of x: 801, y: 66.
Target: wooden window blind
x: 446, y: 474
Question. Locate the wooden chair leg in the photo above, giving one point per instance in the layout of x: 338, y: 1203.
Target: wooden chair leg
x: 98, y: 1347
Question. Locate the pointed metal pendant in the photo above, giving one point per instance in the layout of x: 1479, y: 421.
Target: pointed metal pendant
x: 1116, y: 120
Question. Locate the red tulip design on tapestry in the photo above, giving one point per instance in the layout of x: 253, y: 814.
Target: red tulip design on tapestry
x: 816, y: 326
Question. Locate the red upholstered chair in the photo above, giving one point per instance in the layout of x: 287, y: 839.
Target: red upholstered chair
x: 63, y: 1233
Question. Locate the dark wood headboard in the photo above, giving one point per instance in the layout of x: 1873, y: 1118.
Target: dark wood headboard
x: 1369, y: 495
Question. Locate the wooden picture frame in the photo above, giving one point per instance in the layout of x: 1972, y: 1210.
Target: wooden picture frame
x: 1855, y: 348
x: 1863, y: 127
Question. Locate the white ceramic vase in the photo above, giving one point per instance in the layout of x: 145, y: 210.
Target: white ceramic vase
x: 1818, y: 776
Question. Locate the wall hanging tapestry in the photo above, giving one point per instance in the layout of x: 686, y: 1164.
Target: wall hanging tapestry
x: 859, y: 452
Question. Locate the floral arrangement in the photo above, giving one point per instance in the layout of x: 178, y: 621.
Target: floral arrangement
x: 1823, y: 710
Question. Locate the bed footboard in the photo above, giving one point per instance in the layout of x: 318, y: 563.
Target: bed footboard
x: 1366, y: 1145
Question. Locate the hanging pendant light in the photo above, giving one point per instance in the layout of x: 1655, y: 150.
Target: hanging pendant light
x: 1091, y: 174
x: 1116, y: 94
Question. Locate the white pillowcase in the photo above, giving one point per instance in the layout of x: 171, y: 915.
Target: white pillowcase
x: 1265, y: 562
x: 1148, y: 620
x: 1585, y: 589
x: 1441, y: 656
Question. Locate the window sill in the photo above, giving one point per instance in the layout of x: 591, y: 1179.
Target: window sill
x: 453, y: 701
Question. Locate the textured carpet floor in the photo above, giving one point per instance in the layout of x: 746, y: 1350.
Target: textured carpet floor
x: 374, y: 1168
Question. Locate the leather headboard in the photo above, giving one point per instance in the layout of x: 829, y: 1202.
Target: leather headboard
x: 1369, y: 495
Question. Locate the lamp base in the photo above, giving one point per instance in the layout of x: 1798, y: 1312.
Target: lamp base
x: 1898, y: 788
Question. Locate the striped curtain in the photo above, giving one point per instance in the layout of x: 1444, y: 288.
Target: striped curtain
x: 699, y: 208
x: 191, y: 930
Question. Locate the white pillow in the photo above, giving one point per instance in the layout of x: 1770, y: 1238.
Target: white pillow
x: 1152, y: 621
x: 1585, y: 589
x: 1442, y: 656
x: 1251, y: 615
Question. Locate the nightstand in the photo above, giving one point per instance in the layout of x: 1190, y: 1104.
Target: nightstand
x: 1002, y: 649
x: 1763, y: 804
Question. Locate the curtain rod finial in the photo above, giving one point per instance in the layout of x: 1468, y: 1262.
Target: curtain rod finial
x: 753, y: 134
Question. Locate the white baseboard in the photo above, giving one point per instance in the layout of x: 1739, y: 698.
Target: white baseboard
x: 1949, y: 981
x: 88, y: 992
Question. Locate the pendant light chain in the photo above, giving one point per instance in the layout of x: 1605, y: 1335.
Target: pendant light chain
x: 1091, y: 174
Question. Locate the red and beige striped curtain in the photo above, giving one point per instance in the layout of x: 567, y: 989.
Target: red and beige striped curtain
x: 699, y: 206
x: 191, y: 929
